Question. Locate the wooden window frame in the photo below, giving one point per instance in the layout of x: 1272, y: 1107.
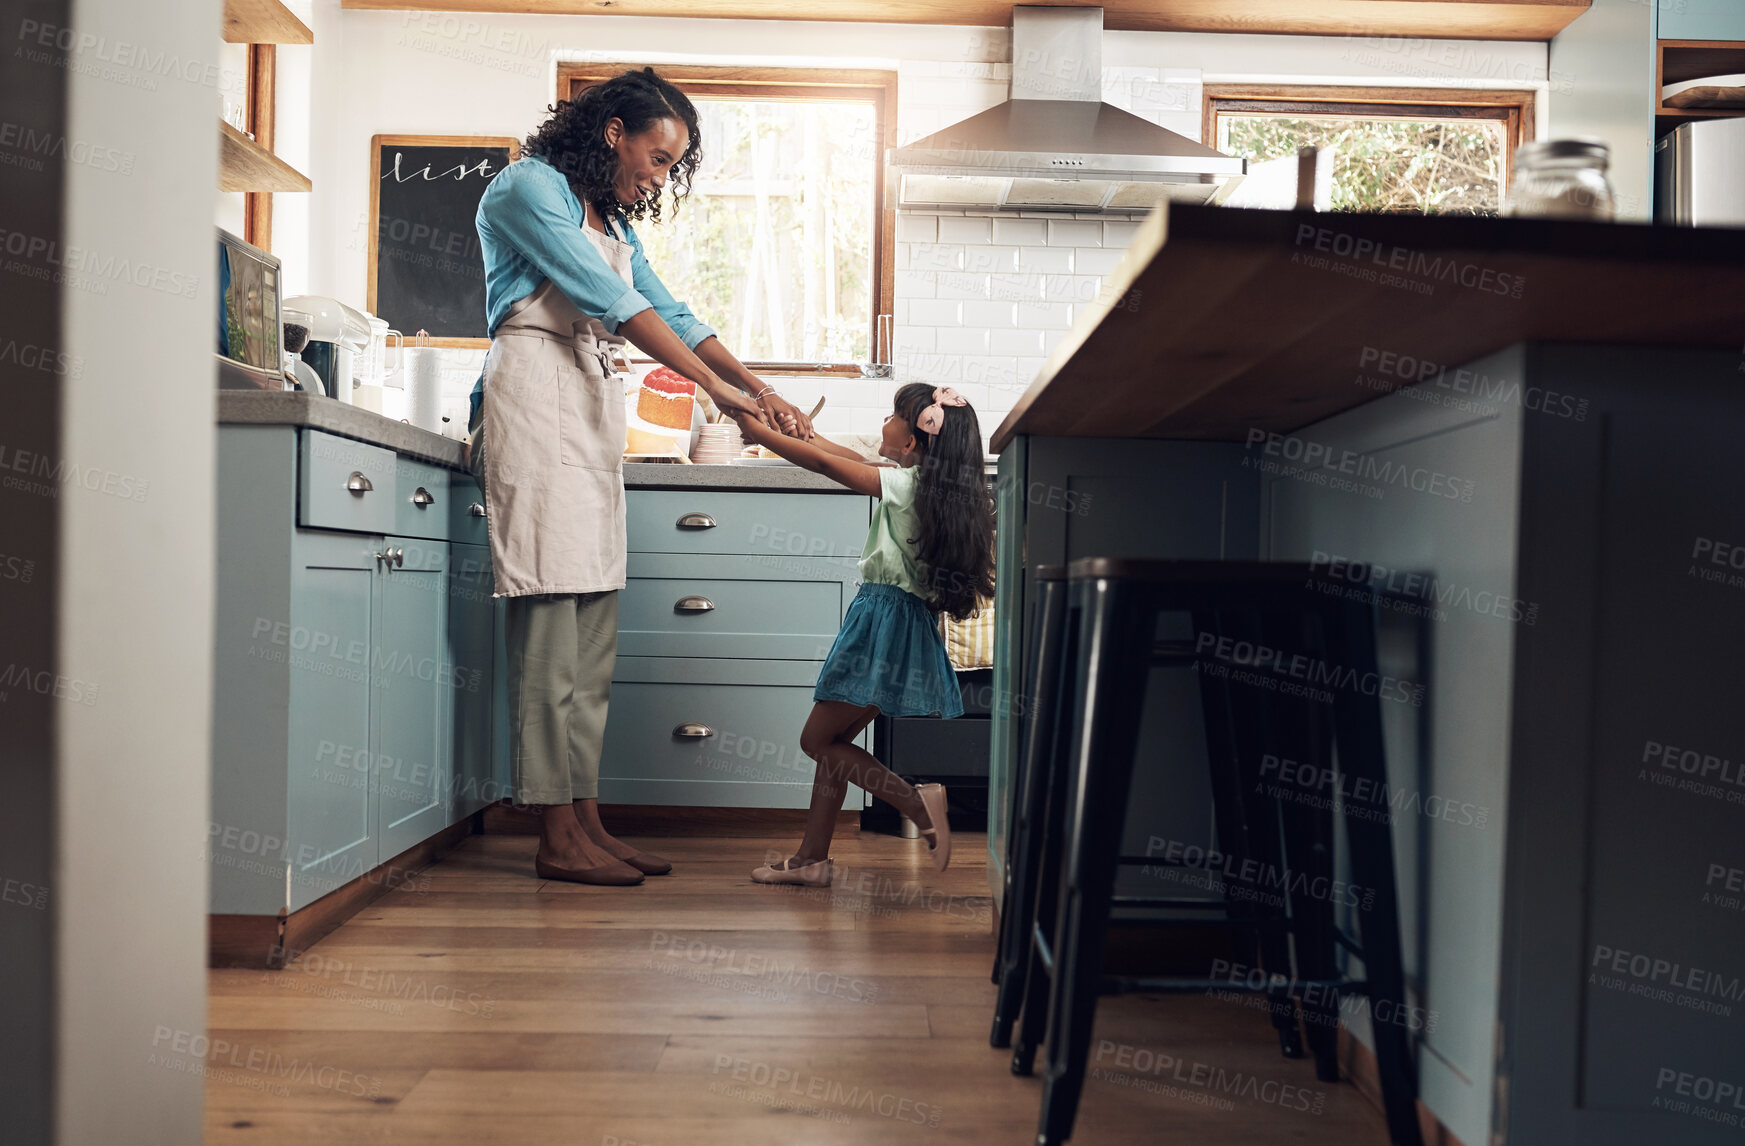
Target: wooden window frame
x: 797, y: 85
x: 1512, y: 107
x: 257, y: 206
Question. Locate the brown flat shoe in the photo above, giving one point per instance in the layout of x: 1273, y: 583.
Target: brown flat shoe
x: 614, y: 874
x: 649, y: 864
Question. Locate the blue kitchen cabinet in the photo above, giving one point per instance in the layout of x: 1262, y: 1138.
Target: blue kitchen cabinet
x: 330, y: 825
x: 733, y: 598
x: 353, y: 715
x: 412, y: 684
x: 1701, y: 20
x: 472, y: 644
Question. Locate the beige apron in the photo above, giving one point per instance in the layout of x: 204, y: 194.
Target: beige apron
x: 554, y: 431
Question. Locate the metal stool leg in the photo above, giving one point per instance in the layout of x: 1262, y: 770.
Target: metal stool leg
x: 1050, y: 832
x: 1357, y: 716
x: 1037, y: 764
x: 1114, y: 657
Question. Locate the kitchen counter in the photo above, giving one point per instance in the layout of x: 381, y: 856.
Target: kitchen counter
x: 1222, y: 321
x: 290, y: 408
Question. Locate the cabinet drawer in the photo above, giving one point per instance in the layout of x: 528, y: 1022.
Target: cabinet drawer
x: 327, y: 467
x: 732, y: 606
x: 421, y: 500
x: 466, y: 510
x: 776, y: 524
x: 710, y: 733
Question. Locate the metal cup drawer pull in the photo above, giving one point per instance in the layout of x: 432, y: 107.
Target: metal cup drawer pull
x: 696, y: 521
x: 692, y: 730
x: 358, y: 483
x: 421, y: 498
x: 476, y: 509
x: 693, y: 604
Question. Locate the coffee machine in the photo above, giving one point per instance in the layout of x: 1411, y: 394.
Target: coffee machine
x: 337, y: 334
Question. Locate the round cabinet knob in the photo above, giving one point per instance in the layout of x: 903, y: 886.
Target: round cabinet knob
x: 385, y: 557
x: 475, y: 510
x: 399, y: 557
x: 696, y: 521
x: 359, y: 484
x: 693, y: 605
x: 692, y: 730
x: 421, y: 498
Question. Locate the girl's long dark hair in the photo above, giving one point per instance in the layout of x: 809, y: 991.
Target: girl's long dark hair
x: 573, y: 139
x: 955, y: 549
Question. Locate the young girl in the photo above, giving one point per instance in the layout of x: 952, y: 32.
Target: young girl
x: 930, y: 551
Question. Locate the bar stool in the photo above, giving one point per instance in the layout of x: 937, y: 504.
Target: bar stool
x: 1285, y: 615
x: 1041, y: 785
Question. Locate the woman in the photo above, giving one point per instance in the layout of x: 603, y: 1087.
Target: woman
x: 566, y: 285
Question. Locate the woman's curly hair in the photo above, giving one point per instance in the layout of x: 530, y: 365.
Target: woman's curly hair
x: 573, y: 139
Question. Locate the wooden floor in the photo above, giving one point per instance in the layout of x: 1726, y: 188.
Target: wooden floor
x: 479, y: 1005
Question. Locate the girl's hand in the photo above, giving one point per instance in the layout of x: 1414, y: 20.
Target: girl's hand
x: 752, y: 429
x: 786, y: 417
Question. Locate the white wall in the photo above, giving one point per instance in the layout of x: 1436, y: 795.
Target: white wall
x: 468, y: 73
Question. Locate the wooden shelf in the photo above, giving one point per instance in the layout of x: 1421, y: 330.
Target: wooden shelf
x: 244, y: 165
x: 1222, y: 321
x: 1450, y: 19
x: 263, y: 22
x: 1680, y: 60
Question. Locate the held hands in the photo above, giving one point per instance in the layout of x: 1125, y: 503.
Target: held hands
x: 733, y: 402
x: 786, y: 417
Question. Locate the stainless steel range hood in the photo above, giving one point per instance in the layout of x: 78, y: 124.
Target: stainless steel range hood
x: 1055, y: 145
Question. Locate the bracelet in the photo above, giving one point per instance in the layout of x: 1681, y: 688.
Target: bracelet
x: 766, y: 390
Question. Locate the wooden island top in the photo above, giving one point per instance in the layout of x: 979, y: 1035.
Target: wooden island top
x: 1224, y: 320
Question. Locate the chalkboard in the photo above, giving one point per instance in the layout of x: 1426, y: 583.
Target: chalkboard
x: 426, y: 271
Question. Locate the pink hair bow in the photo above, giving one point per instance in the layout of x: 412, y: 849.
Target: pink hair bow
x: 932, y: 418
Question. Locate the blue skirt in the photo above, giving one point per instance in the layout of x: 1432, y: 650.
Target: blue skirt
x: 889, y: 653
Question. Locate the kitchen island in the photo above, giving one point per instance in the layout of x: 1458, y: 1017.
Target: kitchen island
x: 1533, y: 426
x: 360, y: 722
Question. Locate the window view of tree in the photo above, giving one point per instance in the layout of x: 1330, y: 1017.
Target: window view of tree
x: 1428, y: 167
x: 776, y: 247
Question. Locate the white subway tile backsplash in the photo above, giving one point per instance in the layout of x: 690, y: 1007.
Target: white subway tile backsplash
x: 960, y: 229
x: 932, y: 256
x: 1000, y: 315
x: 955, y: 285
x: 916, y: 284
x: 990, y: 258
x: 1018, y: 343
x: 917, y: 228
x: 996, y: 372
x: 1118, y: 232
x: 913, y: 339
x: 1051, y: 339
x: 961, y: 340
x: 935, y: 312
x: 1070, y: 288
x: 1044, y: 315
x: 1028, y: 368
x: 1072, y: 233
x: 1018, y: 287
x: 1021, y: 232
x: 1049, y: 260
x: 929, y: 366
x: 1097, y: 260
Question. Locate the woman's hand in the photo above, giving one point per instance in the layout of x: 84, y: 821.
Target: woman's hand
x: 786, y: 417
x: 735, y: 403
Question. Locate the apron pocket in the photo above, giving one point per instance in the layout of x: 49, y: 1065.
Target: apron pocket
x: 590, y: 416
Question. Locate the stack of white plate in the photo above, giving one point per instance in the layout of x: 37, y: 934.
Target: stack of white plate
x: 718, y: 443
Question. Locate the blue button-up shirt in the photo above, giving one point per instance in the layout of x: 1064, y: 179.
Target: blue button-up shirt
x: 530, y: 225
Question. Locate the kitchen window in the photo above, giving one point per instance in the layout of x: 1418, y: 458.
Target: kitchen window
x: 1423, y: 151
x: 783, y: 245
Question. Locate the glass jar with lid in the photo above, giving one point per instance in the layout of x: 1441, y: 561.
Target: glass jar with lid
x: 1561, y: 179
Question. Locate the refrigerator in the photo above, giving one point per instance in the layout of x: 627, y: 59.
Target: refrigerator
x: 1699, y: 174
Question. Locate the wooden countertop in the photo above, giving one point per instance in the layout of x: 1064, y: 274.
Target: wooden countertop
x: 1221, y: 320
